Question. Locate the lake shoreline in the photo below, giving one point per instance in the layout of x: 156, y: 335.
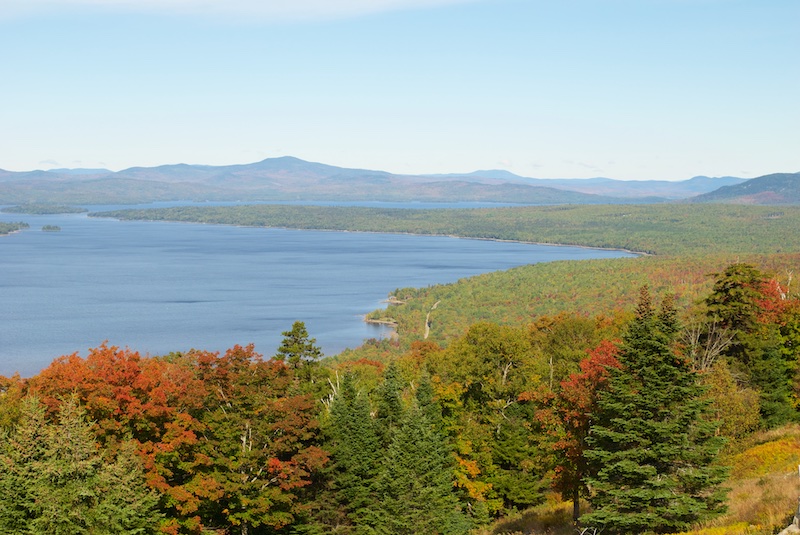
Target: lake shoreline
x: 456, y: 236
x: 160, y: 288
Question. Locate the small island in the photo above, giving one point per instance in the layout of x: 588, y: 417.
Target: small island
x: 8, y: 228
x: 51, y: 228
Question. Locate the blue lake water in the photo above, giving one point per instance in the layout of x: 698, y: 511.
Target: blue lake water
x: 160, y: 287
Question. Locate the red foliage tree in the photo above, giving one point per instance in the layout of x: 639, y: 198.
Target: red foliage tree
x: 574, y: 406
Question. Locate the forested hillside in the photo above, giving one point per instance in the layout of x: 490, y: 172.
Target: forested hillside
x: 657, y: 229
x: 438, y: 440
x: 511, y: 403
x: 686, y: 242
x: 775, y: 189
x: 592, y: 287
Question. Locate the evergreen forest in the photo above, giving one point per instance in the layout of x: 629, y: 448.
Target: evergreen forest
x: 656, y: 394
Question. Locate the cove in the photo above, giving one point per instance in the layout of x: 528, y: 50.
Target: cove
x: 160, y: 287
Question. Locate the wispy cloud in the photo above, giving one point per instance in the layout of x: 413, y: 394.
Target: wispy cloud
x: 278, y: 10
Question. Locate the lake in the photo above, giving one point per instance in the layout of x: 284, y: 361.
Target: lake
x: 160, y: 287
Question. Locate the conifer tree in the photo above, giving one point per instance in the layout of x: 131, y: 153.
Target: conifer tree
x: 22, y: 449
x: 57, y: 481
x: 389, y: 403
x: 416, y: 484
x: 650, y: 451
x: 734, y: 303
x: 741, y: 301
x: 301, y: 353
x: 297, y: 347
x: 356, y: 454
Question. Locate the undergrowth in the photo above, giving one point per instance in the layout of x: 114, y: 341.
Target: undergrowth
x: 763, y: 493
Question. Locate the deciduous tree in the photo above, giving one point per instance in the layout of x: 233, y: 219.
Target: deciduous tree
x: 260, y: 442
x: 575, y: 405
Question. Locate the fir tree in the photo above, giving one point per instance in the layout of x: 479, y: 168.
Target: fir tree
x: 650, y: 451
x: 735, y: 304
x: 23, y: 448
x: 741, y: 301
x: 772, y: 373
x: 57, y: 480
x: 300, y: 353
x: 389, y: 402
x: 416, y: 484
x: 356, y: 454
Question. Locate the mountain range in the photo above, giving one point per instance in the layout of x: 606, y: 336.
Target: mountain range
x: 288, y: 178
x: 777, y: 188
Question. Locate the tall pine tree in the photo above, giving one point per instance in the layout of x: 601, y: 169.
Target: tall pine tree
x: 651, y: 453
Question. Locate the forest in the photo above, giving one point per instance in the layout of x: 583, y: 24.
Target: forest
x: 663, y: 229
x: 43, y: 209
x: 656, y: 394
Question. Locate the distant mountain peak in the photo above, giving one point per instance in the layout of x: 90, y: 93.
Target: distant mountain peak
x: 79, y: 171
x: 495, y: 173
x: 776, y: 188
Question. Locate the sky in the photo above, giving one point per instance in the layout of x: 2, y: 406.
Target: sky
x: 626, y: 89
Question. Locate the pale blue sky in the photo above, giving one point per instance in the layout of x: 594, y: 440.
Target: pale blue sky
x: 629, y: 89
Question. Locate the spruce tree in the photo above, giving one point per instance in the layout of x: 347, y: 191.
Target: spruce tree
x: 739, y: 302
x: 356, y: 454
x: 651, y: 453
x: 23, y: 449
x: 389, y: 404
x: 57, y: 481
x: 416, y: 483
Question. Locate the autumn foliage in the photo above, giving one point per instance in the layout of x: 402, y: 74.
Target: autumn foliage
x: 574, y: 406
x: 224, y: 439
x: 503, y: 415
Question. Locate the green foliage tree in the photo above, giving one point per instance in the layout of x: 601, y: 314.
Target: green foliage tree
x: 297, y: 347
x: 300, y: 352
x: 259, y: 443
x: 734, y: 407
x: 356, y: 454
x: 23, y: 449
x: 521, y: 456
x: 747, y: 302
x: 563, y: 340
x: 416, y: 484
x: 485, y: 377
x: 772, y: 373
x: 57, y: 481
x: 389, y: 403
x: 651, y: 453
x: 734, y: 303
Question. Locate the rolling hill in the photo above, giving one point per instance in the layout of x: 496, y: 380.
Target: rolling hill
x: 778, y: 188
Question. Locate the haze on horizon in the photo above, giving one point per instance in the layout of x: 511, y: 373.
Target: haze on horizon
x: 627, y: 89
